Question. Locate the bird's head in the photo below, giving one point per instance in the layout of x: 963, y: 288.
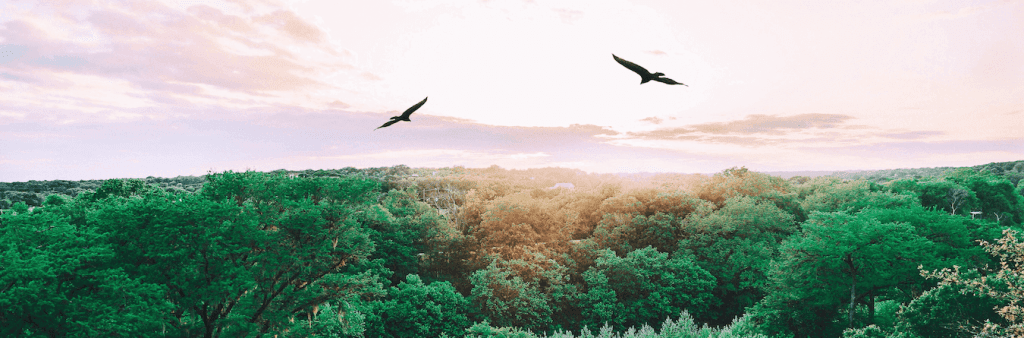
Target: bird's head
x: 658, y: 74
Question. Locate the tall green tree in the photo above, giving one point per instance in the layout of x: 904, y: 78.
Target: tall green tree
x: 644, y: 287
x: 531, y: 292
x: 736, y: 244
x: 250, y: 253
x: 645, y: 217
x: 415, y: 309
x: 954, y: 238
x: 400, y: 228
x: 838, y: 260
x: 58, y: 280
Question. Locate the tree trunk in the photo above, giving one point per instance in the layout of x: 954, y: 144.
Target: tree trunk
x: 853, y: 296
x: 871, y: 307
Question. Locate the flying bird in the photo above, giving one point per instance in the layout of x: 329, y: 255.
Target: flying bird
x: 405, y: 115
x: 644, y: 74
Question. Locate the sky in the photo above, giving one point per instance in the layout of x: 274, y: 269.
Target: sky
x: 108, y: 89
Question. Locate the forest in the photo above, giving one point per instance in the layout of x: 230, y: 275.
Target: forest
x: 552, y: 252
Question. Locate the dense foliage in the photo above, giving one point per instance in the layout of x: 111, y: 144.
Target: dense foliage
x: 456, y: 252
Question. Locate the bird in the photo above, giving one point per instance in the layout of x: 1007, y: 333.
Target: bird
x: 405, y: 115
x: 644, y: 74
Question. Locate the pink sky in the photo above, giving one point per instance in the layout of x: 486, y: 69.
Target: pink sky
x: 104, y: 89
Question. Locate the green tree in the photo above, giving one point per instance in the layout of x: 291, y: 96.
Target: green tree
x: 954, y: 237
x: 940, y: 194
x: 413, y: 309
x: 624, y: 233
x: 399, y: 228
x: 250, y: 253
x: 837, y: 261
x: 485, y: 330
x: 122, y: 188
x: 645, y: 217
x: 59, y: 279
x: 736, y: 245
x: 852, y: 196
x: 29, y: 198
x: 1003, y: 285
x: 995, y: 195
x: 523, y: 293
x: 736, y: 182
x: 643, y: 287
x: 949, y: 311
x: 328, y: 321
x: 870, y: 331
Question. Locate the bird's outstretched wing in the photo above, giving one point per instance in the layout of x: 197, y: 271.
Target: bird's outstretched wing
x: 388, y: 124
x: 668, y: 81
x: 634, y: 67
x: 405, y: 115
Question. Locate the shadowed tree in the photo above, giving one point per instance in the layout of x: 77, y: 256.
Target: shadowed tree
x: 399, y: 228
x: 736, y: 245
x: 939, y: 194
x: 949, y: 310
x: 1002, y: 286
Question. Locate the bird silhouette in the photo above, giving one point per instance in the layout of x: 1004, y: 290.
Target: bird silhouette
x: 645, y: 75
x: 405, y: 115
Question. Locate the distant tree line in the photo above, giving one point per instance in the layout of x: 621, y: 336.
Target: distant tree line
x: 1012, y: 171
x: 32, y: 193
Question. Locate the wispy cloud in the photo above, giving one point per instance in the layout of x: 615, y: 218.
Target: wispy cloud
x: 913, y: 134
x: 653, y: 119
x: 283, y: 137
x: 166, y: 54
x: 751, y: 125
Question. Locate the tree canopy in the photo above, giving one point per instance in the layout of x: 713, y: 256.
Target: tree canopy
x: 461, y: 252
